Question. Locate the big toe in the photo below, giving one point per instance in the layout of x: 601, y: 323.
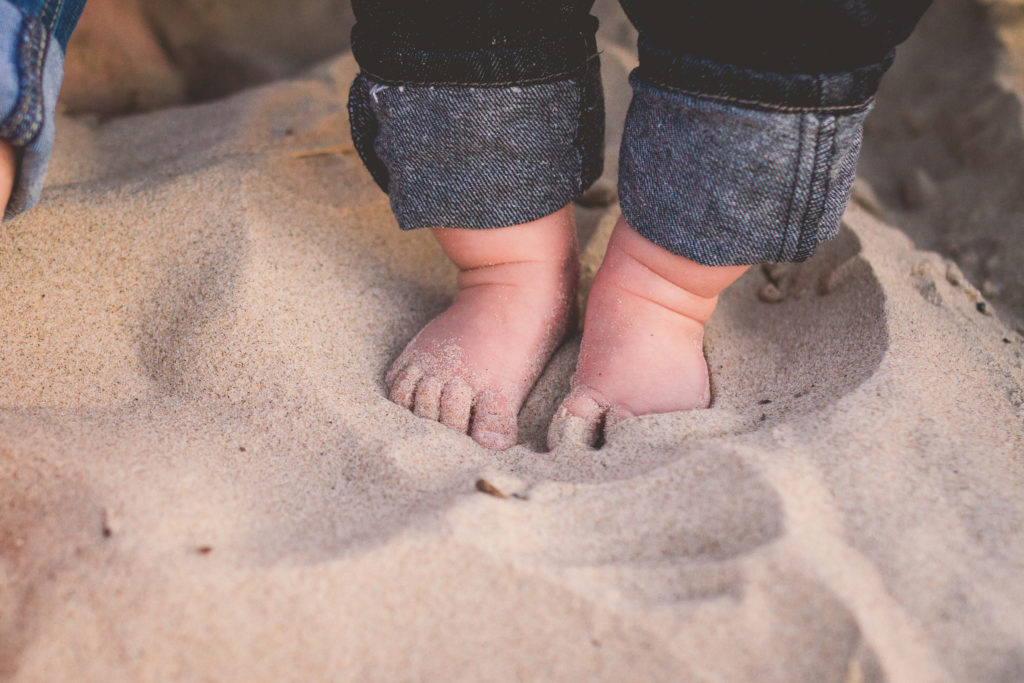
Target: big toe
x: 583, y: 419
x: 578, y: 422
x: 456, y: 405
x: 403, y: 386
x: 428, y: 397
x: 494, y: 422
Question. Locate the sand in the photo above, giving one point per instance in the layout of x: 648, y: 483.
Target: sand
x: 201, y: 477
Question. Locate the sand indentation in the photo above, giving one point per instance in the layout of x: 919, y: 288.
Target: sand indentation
x: 773, y: 360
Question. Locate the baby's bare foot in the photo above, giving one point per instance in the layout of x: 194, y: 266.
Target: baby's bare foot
x: 472, y: 366
x: 642, y: 349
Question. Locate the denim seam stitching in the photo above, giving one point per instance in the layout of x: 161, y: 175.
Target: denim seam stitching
x: 815, y: 172
x: 56, y: 15
x: 564, y: 75
x: 728, y: 99
x: 25, y: 121
x: 833, y: 149
x: 792, y: 196
x: 577, y: 143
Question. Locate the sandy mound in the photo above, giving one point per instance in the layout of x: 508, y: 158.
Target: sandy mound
x: 201, y: 478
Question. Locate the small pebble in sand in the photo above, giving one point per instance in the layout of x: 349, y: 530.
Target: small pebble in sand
x: 832, y: 279
x: 865, y: 197
x: 484, y: 486
x: 983, y: 308
x: 204, y: 550
x: 775, y: 272
x: 953, y: 275
x: 917, y: 189
x: 600, y: 194
x: 770, y: 294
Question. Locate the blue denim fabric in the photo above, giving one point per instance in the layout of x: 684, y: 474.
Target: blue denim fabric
x: 723, y: 184
x: 838, y: 91
x: 33, y: 37
x: 741, y: 141
x: 471, y: 157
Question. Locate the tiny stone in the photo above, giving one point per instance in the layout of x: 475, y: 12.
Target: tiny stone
x: 770, y: 294
x: 953, y: 275
x: 764, y: 401
x: 830, y: 281
x: 918, y: 189
x: 915, y: 121
x: 775, y: 272
x: 865, y: 197
x: 982, y: 308
x: 600, y: 194
x: 484, y: 486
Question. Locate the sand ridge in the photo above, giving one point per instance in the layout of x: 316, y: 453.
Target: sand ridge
x: 201, y: 477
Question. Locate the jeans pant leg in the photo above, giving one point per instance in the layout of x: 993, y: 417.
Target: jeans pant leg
x: 476, y: 114
x: 742, y: 138
x: 33, y: 37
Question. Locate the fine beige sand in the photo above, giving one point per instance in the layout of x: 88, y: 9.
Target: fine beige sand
x: 201, y: 477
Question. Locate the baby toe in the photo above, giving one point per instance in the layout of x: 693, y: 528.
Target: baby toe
x: 494, y: 422
x: 428, y: 397
x: 403, y: 389
x: 456, y: 405
x: 578, y: 422
x: 396, y: 369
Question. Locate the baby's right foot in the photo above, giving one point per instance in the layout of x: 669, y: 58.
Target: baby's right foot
x: 472, y: 366
x: 642, y: 350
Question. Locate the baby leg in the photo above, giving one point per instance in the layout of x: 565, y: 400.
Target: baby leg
x: 472, y: 366
x: 482, y: 121
x: 642, y: 349
x: 739, y: 148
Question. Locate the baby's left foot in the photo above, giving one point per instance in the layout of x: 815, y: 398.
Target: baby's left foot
x: 642, y: 350
x: 472, y: 366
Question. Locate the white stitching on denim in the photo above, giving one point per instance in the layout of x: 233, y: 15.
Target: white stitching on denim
x: 374, y: 89
x: 811, y: 181
x: 764, y: 106
x: 792, y: 196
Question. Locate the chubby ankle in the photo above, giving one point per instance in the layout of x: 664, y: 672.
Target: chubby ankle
x: 551, y: 239
x: 642, y: 348
x: 471, y: 367
x: 698, y: 281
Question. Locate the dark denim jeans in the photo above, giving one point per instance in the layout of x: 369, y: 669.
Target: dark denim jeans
x: 33, y: 37
x: 740, y: 144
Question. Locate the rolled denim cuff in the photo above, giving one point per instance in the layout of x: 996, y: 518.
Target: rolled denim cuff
x: 33, y: 36
x: 480, y: 157
x: 725, y: 184
x: 839, y: 92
